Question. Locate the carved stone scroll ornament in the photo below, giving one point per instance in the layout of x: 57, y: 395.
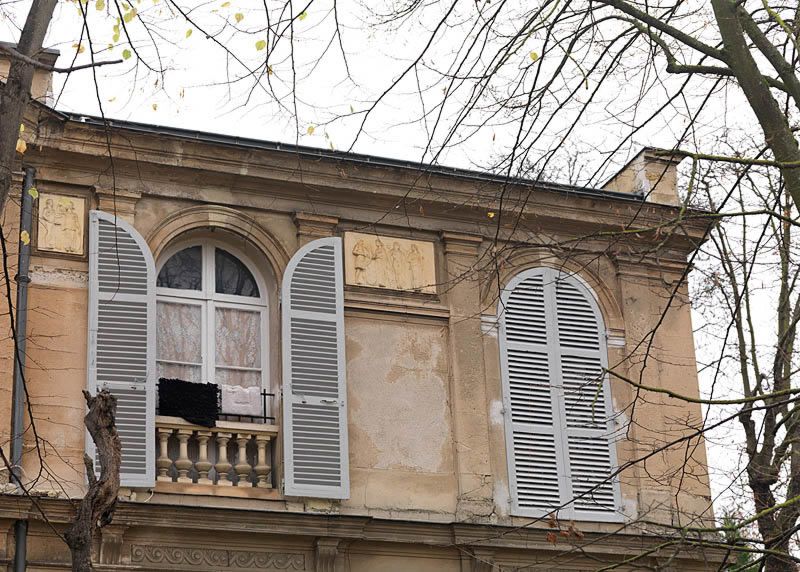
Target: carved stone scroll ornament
x: 235, y: 559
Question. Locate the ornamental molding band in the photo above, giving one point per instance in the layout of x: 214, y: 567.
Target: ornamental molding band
x: 61, y: 224
x: 235, y: 559
x: 390, y: 263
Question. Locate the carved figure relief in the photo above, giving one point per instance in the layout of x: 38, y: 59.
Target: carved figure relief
x: 388, y: 262
x: 61, y: 224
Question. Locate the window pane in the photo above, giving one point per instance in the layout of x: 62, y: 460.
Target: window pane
x: 178, y: 331
x: 183, y: 270
x: 233, y: 277
x: 238, y: 338
x: 242, y: 378
x: 179, y: 371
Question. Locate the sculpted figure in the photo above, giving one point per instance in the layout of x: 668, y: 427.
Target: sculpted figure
x: 47, y: 225
x: 361, y: 260
x: 398, y: 267
x: 71, y: 230
x: 379, y: 265
x: 414, y: 261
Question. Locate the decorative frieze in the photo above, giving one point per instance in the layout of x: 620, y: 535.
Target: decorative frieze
x: 61, y: 224
x: 389, y: 262
x: 236, y: 559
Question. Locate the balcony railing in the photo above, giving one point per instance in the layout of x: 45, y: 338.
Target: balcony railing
x: 231, y: 459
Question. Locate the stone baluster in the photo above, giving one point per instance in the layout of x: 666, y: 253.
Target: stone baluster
x: 242, y: 467
x: 262, y: 467
x: 183, y: 462
x: 203, y: 465
x: 223, y: 466
x: 164, y: 462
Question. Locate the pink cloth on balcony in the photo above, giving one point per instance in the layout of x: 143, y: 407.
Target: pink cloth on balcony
x: 241, y: 400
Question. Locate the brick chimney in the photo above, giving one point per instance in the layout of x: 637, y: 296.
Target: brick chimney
x: 653, y: 173
x: 42, y: 86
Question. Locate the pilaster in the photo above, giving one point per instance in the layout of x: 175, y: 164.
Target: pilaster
x: 313, y: 226
x: 467, y: 379
x: 119, y: 201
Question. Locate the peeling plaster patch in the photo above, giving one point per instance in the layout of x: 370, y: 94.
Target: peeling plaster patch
x: 630, y: 508
x: 58, y: 278
x: 489, y: 325
x: 399, y: 414
x: 496, y: 412
x: 502, y: 499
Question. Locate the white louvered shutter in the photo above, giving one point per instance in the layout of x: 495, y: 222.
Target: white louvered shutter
x: 314, y: 392
x: 121, y: 347
x: 555, y: 400
x: 588, y: 431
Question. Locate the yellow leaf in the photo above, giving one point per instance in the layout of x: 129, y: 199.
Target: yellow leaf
x: 226, y: 4
x: 302, y: 15
x: 129, y: 15
x: 34, y: 193
x: 155, y: 107
x: 126, y: 53
x: 25, y: 237
x: 534, y: 56
x: 310, y: 130
x: 22, y: 128
x: 269, y: 70
x: 238, y: 17
x: 21, y: 146
x: 188, y: 32
x: 100, y: 4
x: 79, y: 47
x: 115, y: 37
x: 490, y: 214
x: 112, y: 99
x: 261, y: 44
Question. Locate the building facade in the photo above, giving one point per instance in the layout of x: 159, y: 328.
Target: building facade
x: 411, y: 360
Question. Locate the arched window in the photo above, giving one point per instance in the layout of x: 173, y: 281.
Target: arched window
x: 556, y: 398
x: 211, y: 316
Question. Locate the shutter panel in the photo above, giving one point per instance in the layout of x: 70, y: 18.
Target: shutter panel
x: 121, y: 347
x: 588, y: 428
x: 556, y: 398
x: 531, y: 440
x: 316, y: 460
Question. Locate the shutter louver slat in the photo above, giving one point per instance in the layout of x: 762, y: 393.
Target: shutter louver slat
x: 314, y: 396
x: 556, y: 399
x: 121, y: 339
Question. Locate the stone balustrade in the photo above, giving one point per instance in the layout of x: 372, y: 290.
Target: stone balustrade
x: 228, y: 455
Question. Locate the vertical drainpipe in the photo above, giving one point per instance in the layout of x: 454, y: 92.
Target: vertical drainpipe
x: 18, y: 392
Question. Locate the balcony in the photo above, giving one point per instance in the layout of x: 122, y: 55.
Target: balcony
x: 232, y: 459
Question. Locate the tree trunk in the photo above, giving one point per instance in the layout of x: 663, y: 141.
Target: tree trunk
x: 16, y: 93
x: 97, y: 506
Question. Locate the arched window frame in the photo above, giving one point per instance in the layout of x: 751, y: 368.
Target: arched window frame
x: 554, y: 352
x: 209, y: 300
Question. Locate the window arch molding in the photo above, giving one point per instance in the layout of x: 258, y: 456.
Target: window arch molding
x: 560, y: 449
x: 205, y: 217
x: 210, y: 321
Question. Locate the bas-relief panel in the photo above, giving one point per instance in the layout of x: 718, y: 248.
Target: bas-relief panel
x: 389, y: 262
x: 61, y: 223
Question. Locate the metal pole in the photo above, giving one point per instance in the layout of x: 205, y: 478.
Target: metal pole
x: 18, y: 392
